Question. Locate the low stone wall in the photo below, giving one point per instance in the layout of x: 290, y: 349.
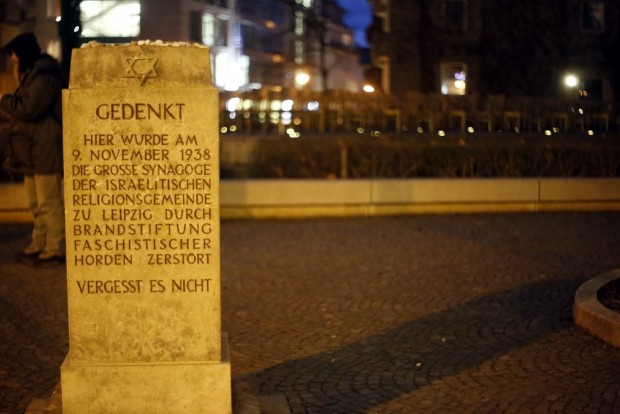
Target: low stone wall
x: 590, y: 314
x: 310, y: 198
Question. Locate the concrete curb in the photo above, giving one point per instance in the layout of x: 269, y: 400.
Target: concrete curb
x: 346, y: 198
x: 591, y: 315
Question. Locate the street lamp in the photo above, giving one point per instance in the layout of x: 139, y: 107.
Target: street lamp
x: 571, y: 80
x: 301, y: 79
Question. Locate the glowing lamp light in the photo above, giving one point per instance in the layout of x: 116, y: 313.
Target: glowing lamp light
x: 571, y: 80
x: 369, y: 88
x: 232, y: 103
x: 287, y: 105
x: 302, y: 79
x: 313, y: 106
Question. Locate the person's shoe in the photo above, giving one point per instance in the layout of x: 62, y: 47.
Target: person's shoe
x: 29, y: 254
x: 31, y: 251
x: 48, y: 260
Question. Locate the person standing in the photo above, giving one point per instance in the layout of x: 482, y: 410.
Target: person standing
x: 36, y: 145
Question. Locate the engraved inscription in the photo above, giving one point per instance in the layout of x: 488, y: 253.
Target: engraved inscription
x: 142, y: 197
x: 141, y: 67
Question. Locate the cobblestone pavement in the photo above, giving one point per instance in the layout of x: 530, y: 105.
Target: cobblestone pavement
x: 417, y: 314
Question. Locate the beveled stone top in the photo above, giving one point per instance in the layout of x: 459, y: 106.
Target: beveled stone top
x: 140, y: 65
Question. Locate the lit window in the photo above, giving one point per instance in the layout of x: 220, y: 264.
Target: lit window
x: 299, y: 23
x: 593, y: 16
x: 299, y: 52
x: 208, y: 29
x: 231, y: 71
x: 110, y: 18
x: 53, y: 9
x: 53, y: 49
x: 453, y: 79
x: 347, y: 39
x: 205, y: 28
x: 221, y: 35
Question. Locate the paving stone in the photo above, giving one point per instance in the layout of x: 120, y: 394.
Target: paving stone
x: 414, y: 314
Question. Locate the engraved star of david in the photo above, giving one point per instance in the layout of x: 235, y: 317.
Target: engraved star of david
x: 141, y: 67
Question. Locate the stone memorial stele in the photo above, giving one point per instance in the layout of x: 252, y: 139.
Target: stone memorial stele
x: 141, y: 148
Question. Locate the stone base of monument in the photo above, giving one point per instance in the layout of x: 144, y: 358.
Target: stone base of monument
x: 148, y: 388
x: 245, y: 400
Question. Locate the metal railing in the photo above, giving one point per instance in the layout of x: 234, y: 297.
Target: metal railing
x: 299, y: 112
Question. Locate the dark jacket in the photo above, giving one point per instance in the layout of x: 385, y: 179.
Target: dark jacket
x: 37, y: 141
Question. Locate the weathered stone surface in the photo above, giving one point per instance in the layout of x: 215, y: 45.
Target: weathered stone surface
x: 147, y: 388
x: 141, y: 146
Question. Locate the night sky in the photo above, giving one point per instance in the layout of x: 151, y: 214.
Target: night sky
x: 358, y: 16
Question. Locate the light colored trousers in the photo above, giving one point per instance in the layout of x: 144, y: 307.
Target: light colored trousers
x: 46, y: 202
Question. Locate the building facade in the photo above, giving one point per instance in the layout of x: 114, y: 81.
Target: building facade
x: 502, y: 47
x: 299, y: 44
x: 255, y: 44
x: 18, y: 16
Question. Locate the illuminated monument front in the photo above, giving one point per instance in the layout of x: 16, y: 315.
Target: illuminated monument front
x: 143, y: 233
